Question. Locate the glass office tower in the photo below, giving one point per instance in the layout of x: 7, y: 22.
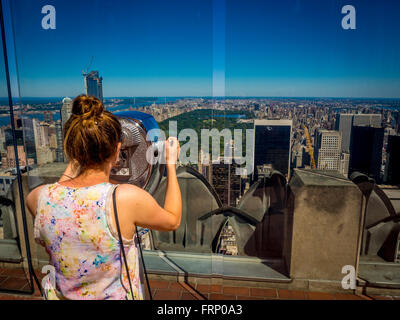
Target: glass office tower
x: 272, y: 144
x: 345, y: 123
x: 94, y: 84
x: 366, y: 151
x: 392, y: 169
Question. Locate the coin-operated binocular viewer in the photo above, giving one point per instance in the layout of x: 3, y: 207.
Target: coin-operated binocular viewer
x: 141, y: 152
x: 140, y: 163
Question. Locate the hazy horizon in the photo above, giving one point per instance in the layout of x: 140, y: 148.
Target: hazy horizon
x: 216, y: 97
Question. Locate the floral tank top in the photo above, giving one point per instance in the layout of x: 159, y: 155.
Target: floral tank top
x: 74, y: 225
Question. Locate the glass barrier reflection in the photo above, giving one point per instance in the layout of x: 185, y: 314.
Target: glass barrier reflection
x: 14, y: 261
x: 147, y: 68
x: 271, y: 111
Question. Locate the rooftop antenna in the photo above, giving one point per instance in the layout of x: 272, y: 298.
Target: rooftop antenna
x: 85, y: 74
x: 88, y: 67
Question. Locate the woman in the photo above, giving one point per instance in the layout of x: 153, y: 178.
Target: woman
x: 74, y: 217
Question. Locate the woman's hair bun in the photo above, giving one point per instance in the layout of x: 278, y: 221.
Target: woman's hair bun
x: 91, y: 134
x: 87, y: 106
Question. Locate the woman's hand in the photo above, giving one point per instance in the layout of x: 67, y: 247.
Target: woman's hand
x: 172, y: 149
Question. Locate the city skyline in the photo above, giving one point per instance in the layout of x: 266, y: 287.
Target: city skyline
x: 171, y: 51
x: 288, y: 125
x: 60, y: 98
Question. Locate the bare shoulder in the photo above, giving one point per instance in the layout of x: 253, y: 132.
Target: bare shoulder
x: 130, y: 200
x: 129, y: 192
x: 32, y: 198
x: 131, y: 197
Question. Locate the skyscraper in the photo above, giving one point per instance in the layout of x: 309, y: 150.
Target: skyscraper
x: 66, y: 110
x: 48, y: 116
x: 226, y: 182
x: 19, y: 136
x: 327, y: 149
x: 396, y: 116
x: 345, y: 123
x: 344, y: 164
x: 8, y: 159
x: 272, y: 140
x: 36, y: 133
x: 10, y: 162
x: 42, y: 143
x: 205, y: 166
x: 392, y: 168
x: 366, y: 151
x: 44, y: 133
x: 94, y: 84
x: 53, y: 143
x: 60, y: 145
x: 29, y: 138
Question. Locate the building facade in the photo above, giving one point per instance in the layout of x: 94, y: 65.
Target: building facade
x: 327, y: 149
x: 345, y: 123
x: 60, y: 142
x: 344, y: 164
x: 94, y: 84
x: 272, y: 144
x: 66, y: 110
x: 226, y: 182
x: 366, y: 151
x: 392, y: 166
x: 10, y: 162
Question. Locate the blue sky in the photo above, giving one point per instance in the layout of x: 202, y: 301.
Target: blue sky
x: 205, y: 47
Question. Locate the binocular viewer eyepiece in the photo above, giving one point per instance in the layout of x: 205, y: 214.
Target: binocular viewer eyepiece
x: 138, y: 161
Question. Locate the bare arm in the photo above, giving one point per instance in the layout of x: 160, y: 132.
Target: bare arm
x: 144, y: 209
x: 173, y: 200
x: 32, y: 199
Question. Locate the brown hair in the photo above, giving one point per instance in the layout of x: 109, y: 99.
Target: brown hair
x: 91, y: 134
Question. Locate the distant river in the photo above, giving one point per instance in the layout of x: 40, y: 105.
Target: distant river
x: 5, y: 119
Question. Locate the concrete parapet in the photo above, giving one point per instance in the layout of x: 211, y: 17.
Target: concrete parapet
x: 324, y: 226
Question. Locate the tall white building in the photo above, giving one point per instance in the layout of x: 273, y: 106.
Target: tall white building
x: 66, y: 110
x: 344, y: 164
x: 44, y: 155
x: 36, y: 132
x: 328, y: 149
x: 42, y: 142
x: 44, y: 132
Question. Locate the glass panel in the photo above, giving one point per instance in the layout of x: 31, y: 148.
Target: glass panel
x: 265, y: 96
x: 14, y: 277
x: 324, y: 103
x: 140, y: 58
x: 5, y: 119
